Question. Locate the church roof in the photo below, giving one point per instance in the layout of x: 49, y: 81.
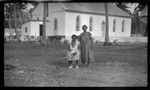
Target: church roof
x: 91, y: 8
x: 98, y: 8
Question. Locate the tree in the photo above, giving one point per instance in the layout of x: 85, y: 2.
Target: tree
x: 11, y: 11
x: 107, y: 25
x: 124, y: 7
x: 15, y: 14
x: 44, y: 23
x: 17, y: 11
x: 135, y: 15
x: 136, y: 19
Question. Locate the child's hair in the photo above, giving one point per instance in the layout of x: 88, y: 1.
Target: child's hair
x: 74, y: 36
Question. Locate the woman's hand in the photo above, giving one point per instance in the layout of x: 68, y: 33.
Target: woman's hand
x: 74, y: 53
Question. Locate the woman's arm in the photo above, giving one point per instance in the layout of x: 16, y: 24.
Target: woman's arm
x: 79, y: 47
x: 79, y: 38
x: 92, y: 40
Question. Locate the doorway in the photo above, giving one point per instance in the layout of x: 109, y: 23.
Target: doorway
x: 41, y: 30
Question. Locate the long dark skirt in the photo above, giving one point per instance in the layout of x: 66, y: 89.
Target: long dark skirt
x: 87, y: 54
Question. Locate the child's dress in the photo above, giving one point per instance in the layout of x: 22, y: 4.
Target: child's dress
x: 74, y: 49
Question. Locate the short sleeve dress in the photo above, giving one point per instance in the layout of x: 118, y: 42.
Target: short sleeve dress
x: 74, y: 49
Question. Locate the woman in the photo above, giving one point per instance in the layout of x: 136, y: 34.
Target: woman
x: 74, y: 53
x: 86, y: 41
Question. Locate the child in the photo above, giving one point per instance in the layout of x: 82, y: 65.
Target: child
x: 73, y: 53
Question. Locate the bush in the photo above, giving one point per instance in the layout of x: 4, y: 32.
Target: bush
x: 55, y: 38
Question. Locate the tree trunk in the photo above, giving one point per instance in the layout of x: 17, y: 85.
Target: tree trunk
x: 10, y: 16
x: 20, y: 17
x: 136, y: 26
x: 44, y: 24
x: 107, y: 25
x: 9, y: 22
x: 16, y: 23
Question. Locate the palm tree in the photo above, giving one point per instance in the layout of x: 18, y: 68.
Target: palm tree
x: 15, y: 15
x: 44, y: 23
x: 107, y: 25
x: 125, y: 7
x: 136, y: 19
x: 135, y: 15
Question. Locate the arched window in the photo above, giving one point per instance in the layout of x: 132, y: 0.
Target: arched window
x: 55, y: 26
x: 26, y: 30
x: 90, y: 24
x: 103, y: 28
x: 78, y: 23
x: 47, y: 7
x: 114, y: 25
x: 123, y: 25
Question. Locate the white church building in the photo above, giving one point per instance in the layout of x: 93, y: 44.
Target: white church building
x: 68, y: 18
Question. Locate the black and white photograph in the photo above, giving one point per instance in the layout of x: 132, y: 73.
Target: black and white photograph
x: 75, y: 44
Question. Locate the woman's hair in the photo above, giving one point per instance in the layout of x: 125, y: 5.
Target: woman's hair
x: 74, y: 36
x: 84, y: 27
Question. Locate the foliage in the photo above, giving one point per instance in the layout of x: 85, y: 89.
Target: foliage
x: 124, y: 7
x: 136, y: 21
x: 16, y: 13
x: 57, y: 38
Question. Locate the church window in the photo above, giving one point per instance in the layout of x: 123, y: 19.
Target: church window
x: 26, y: 30
x: 103, y: 28
x: 55, y: 26
x: 123, y: 25
x: 90, y: 24
x: 114, y: 25
x: 78, y: 23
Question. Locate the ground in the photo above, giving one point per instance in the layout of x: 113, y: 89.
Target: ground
x: 33, y: 65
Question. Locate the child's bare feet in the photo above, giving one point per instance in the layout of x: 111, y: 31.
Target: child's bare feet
x: 70, y: 66
x: 76, y: 67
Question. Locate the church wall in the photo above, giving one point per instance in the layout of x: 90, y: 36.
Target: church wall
x: 70, y: 25
x: 54, y: 11
x: 60, y: 16
x: 118, y: 31
x: 28, y: 26
x: 35, y: 26
x: 67, y: 22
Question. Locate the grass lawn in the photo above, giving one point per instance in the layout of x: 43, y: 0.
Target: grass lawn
x: 33, y: 65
